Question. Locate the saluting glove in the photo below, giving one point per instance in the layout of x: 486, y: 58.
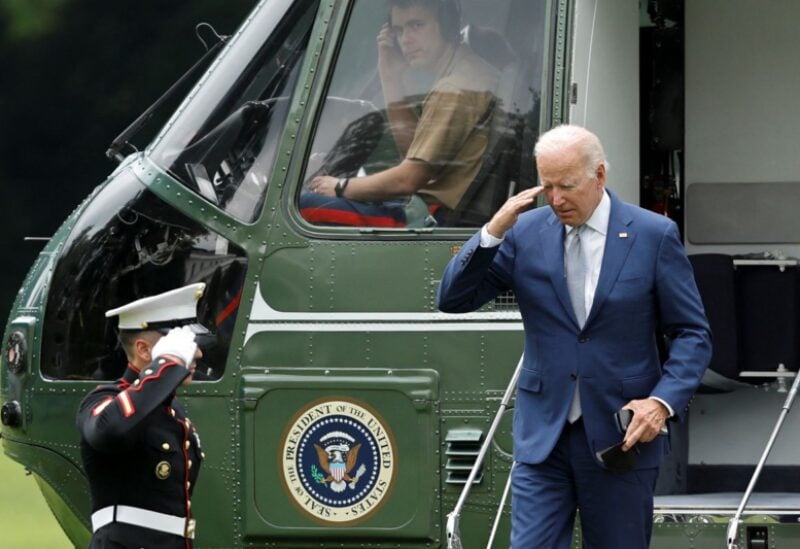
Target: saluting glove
x: 179, y: 343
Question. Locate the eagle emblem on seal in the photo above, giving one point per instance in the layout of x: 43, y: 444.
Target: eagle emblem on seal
x: 338, y: 456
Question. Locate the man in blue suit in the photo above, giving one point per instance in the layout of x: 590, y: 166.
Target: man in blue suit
x: 597, y: 281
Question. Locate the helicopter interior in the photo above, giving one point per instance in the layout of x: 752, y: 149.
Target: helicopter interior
x: 130, y: 244
x: 725, y: 173
x: 353, y: 137
x: 226, y: 153
x: 227, y: 156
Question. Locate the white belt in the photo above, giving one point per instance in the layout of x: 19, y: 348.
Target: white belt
x: 146, y: 519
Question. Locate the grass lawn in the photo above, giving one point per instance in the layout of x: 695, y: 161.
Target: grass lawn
x: 25, y: 519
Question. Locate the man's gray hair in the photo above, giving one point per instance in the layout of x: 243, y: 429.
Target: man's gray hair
x: 567, y: 135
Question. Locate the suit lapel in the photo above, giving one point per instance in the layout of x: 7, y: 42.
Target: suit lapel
x: 552, y: 239
x: 619, y: 240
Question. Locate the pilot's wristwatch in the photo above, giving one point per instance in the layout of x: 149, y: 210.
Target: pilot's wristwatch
x: 341, y: 185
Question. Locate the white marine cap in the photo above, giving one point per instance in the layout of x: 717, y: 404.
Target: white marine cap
x: 173, y: 308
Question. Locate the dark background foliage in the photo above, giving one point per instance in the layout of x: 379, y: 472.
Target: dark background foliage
x: 73, y: 75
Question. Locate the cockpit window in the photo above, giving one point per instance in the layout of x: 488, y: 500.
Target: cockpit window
x: 129, y: 244
x: 223, y: 145
x: 430, y: 116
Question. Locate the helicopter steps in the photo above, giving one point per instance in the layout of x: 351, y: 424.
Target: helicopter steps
x: 725, y: 503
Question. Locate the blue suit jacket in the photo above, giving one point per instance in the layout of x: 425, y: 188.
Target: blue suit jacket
x: 646, y: 287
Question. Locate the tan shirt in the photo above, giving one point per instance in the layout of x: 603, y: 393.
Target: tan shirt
x: 453, y: 130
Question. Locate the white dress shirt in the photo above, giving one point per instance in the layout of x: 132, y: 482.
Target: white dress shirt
x: 593, y: 242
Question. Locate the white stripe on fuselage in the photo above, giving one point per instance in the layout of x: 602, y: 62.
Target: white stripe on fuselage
x: 263, y: 318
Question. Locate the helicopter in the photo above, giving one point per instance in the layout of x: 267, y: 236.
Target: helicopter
x: 330, y: 351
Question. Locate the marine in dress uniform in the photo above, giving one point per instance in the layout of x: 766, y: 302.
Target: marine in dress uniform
x: 140, y: 451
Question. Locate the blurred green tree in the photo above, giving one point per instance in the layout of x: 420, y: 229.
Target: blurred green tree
x: 28, y: 19
x: 73, y: 74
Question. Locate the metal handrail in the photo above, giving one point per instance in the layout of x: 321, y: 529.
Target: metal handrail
x: 733, y: 525
x: 453, y: 533
x: 500, y: 507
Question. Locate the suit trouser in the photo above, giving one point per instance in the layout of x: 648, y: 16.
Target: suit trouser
x: 616, y: 510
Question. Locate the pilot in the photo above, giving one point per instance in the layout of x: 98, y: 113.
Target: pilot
x: 140, y: 451
x: 442, y: 142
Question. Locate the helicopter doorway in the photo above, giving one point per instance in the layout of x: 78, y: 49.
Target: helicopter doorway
x: 718, y: 113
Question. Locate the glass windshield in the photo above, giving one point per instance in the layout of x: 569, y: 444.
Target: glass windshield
x: 223, y: 144
x: 129, y: 244
x: 430, y: 116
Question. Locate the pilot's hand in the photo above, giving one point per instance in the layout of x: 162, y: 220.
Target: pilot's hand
x: 324, y: 185
x: 391, y: 62
x: 649, y: 416
x: 178, y: 343
x: 508, y: 213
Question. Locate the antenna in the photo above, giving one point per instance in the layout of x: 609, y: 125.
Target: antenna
x: 123, y: 139
x: 204, y: 25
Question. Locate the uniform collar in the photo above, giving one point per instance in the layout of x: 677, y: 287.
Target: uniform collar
x: 131, y: 373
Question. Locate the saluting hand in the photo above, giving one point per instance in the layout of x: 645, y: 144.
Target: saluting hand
x: 508, y: 213
x: 178, y: 343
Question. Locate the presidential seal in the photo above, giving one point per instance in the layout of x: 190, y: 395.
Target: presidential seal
x: 338, y: 459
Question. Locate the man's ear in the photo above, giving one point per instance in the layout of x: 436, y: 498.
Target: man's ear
x: 143, y: 349
x: 600, y: 173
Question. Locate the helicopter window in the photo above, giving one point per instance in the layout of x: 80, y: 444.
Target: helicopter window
x: 439, y: 129
x: 126, y: 245
x: 223, y: 146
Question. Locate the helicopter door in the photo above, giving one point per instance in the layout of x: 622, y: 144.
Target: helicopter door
x: 356, y: 453
x: 345, y: 359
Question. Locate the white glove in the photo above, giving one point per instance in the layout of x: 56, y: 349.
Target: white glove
x: 179, y: 343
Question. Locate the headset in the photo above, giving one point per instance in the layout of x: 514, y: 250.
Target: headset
x: 448, y: 13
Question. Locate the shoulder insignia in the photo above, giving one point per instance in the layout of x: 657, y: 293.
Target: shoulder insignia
x: 97, y: 410
x: 127, y: 405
